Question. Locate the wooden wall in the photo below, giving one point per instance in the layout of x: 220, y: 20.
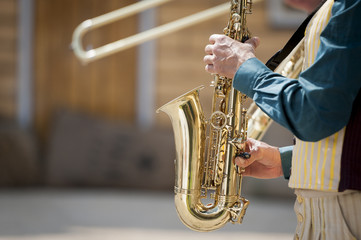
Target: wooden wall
x: 8, y: 58
x: 104, y: 88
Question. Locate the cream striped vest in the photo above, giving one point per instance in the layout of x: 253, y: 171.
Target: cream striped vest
x: 317, y: 165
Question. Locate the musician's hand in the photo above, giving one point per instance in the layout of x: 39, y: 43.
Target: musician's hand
x: 265, y: 160
x: 225, y: 55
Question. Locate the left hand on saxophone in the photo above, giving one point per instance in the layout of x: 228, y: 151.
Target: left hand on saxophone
x: 225, y: 55
x: 265, y: 160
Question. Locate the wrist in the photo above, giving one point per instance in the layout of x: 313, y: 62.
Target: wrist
x: 277, y: 161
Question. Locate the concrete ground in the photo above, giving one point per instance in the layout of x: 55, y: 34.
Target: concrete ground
x: 48, y: 214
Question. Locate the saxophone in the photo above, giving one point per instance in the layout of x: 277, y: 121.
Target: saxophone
x: 207, y: 182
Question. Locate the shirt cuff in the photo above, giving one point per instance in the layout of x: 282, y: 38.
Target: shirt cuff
x: 286, y: 160
x: 246, y: 75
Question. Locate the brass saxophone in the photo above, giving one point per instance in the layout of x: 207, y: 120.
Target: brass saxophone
x: 207, y: 182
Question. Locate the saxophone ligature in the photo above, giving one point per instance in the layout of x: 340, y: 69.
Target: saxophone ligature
x: 207, y: 182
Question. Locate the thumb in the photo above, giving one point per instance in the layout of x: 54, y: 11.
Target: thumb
x: 255, y: 41
x: 243, y: 163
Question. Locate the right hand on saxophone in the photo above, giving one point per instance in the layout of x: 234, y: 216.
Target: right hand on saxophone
x: 265, y: 160
x: 225, y: 55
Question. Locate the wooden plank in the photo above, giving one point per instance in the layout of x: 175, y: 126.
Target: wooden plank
x: 8, y: 7
x: 8, y: 56
x: 104, y: 88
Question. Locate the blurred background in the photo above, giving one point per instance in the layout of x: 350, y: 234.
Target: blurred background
x: 83, y: 155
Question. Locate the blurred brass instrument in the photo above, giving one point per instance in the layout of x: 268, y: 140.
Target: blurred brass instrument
x: 89, y: 55
x: 207, y: 182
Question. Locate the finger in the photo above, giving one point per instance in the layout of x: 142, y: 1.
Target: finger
x: 214, y: 37
x: 247, y: 172
x: 243, y: 163
x: 258, y: 171
x: 209, y: 49
x: 255, y: 41
x: 210, y: 68
x: 254, y: 170
x: 208, y: 59
x: 252, y: 146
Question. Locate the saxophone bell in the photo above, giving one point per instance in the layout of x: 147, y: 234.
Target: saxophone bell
x: 189, y: 128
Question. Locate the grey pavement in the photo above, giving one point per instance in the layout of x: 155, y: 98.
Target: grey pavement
x: 102, y: 214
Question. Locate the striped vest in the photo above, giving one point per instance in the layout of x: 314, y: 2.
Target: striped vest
x: 317, y: 165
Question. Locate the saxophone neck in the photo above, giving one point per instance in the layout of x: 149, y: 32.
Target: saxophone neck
x: 237, y: 23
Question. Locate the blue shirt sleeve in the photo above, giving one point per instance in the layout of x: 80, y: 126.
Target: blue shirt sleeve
x: 319, y: 103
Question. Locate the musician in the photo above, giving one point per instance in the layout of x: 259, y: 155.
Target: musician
x: 322, y: 108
